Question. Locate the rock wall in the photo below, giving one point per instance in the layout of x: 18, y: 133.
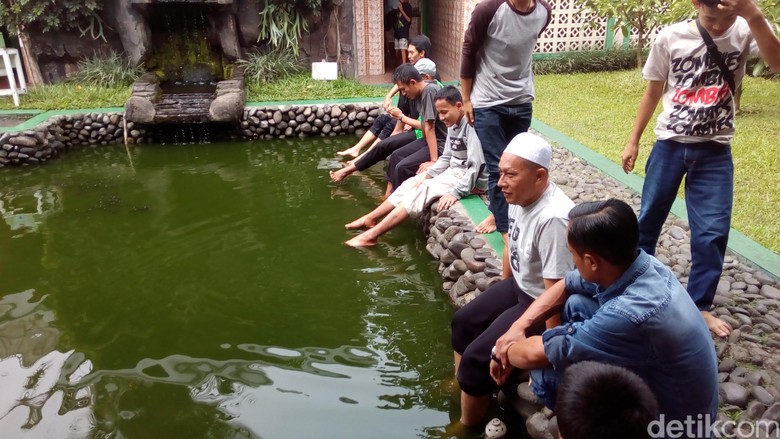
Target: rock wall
x: 307, y: 120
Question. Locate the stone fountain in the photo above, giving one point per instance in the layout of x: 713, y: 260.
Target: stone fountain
x: 188, y: 48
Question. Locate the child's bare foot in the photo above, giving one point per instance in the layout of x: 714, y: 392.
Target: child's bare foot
x: 352, y: 152
x: 361, y: 241
x: 364, y: 222
x: 716, y: 325
x: 488, y: 225
x: 336, y: 176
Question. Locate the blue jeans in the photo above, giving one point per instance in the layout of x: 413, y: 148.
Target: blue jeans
x: 544, y: 382
x: 709, y: 193
x: 495, y: 127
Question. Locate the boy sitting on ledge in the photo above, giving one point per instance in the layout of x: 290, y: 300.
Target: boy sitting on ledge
x: 459, y: 170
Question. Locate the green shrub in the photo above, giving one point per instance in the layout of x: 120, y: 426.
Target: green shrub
x: 267, y: 66
x: 110, y: 71
x: 584, y: 62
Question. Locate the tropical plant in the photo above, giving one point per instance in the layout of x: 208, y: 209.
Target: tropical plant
x: 110, y: 71
x: 642, y: 15
x: 48, y: 14
x: 269, y: 65
x: 283, y: 22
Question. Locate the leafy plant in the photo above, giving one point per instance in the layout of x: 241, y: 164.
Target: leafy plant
x: 267, y: 66
x: 48, y: 14
x: 283, y: 22
x: 771, y: 9
x: 582, y: 62
x: 642, y: 15
x: 111, y: 71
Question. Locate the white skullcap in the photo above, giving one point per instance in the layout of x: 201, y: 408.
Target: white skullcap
x: 532, y: 148
x: 425, y: 66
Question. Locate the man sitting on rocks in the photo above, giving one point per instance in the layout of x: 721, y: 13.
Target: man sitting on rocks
x: 413, y: 85
x: 535, y: 258
x: 598, y: 401
x: 459, y: 170
x: 621, y: 307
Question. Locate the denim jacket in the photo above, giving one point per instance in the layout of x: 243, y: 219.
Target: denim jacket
x: 647, y: 323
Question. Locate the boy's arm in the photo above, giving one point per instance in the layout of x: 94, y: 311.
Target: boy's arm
x: 767, y: 41
x: 652, y: 96
x: 466, y: 85
x: 403, y: 11
x: 474, y: 38
x: 443, y: 162
x: 475, y: 163
x: 429, y: 134
x: 388, y: 104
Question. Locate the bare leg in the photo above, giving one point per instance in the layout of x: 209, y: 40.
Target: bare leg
x: 369, y: 237
x: 336, y: 176
x: 369, y: 149
x: 370, y: 219
x: 456, y: 360
x: 488, y: 225
x: 716, y: 325
x: 388, y: 190
x: 473, y: 409
x: 354, y: 151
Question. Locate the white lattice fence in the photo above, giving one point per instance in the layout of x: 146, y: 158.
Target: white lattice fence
x: 571, y: 29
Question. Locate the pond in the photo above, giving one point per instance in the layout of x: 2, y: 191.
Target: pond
x: 205, y: 291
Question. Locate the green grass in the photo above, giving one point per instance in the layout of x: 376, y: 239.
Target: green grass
x: 598, y: 110
x: 302, y: 87
x: 68, y: 96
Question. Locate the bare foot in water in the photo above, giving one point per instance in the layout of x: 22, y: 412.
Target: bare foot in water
x: 716, y: 325
x: 352, y: 152
x: 361, y: 241
x: 488, y: 225
x: 364, y: 222
x: 336, y: 176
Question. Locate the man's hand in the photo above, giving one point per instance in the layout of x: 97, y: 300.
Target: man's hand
x: 746, y: 9
x: 469, y: 110
x: 424, y: 167
x: 388, y: 104
x: 395, y: 113
x: 514, y: 334
x: 630, y: 152
x: 446, y: 201
x: 499, y: 372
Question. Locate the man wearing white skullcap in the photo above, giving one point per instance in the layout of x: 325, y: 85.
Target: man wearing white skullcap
x: 535, y: 258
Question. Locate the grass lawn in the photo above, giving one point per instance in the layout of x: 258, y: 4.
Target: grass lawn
x: 598, y: 110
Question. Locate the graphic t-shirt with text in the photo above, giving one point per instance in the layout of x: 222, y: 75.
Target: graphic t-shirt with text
x: 697, y: 103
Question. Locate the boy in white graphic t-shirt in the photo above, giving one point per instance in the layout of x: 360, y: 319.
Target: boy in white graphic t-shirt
x: 694, y: 132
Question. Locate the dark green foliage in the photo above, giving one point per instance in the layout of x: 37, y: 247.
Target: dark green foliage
x: 266, y: 66
x: 111, y: 71
x: 583, y: 62
x: 47, y: 14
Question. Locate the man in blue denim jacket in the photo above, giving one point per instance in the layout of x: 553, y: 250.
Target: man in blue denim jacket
x: 621, y: 307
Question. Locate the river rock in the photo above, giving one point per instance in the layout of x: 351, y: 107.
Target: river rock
x: 732, y: 393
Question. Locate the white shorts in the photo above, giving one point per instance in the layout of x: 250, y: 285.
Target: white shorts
x: 415, y: 199
x: 401, y: 44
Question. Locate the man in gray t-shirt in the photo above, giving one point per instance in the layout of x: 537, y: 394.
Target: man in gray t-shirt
x: 498, y: 84
x: 535, y: 258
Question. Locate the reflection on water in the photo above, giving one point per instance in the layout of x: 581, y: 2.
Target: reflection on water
x: 207, y: 293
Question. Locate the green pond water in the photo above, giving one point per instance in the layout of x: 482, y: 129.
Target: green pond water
x: 205, y: 291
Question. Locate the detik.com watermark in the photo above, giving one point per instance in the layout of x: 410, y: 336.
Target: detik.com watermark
x: 703, y: 427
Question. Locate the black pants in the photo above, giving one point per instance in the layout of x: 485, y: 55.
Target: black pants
x: 404, y: 162
x: 383, y: 149
x: 477, y: 326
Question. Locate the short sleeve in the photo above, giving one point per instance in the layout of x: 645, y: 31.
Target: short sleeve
x: 553, y: 251
x: 658, y: 63
x: 427, y: 106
